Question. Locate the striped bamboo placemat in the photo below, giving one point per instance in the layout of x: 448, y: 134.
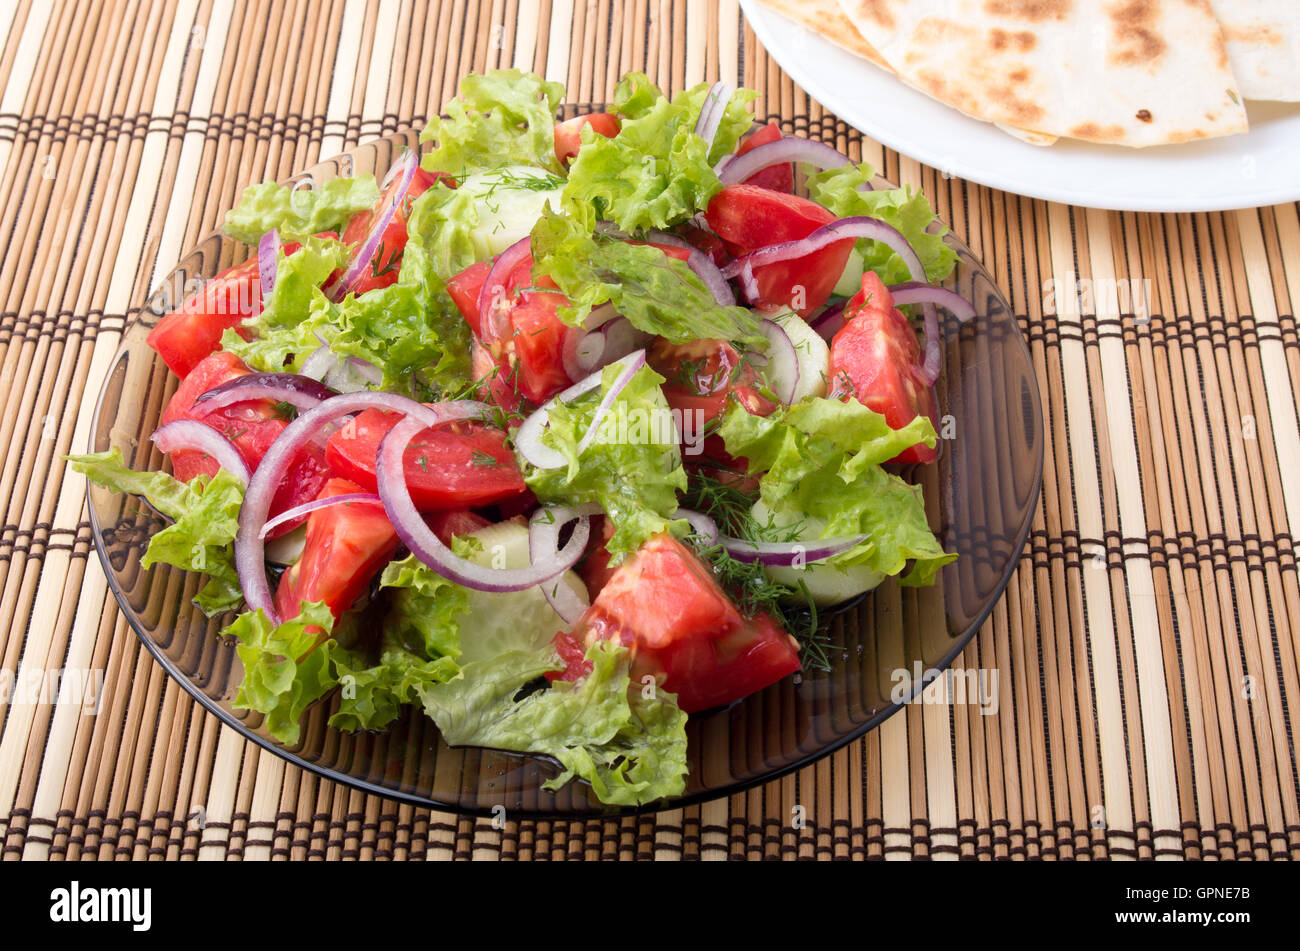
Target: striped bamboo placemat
x: 1146, y: 647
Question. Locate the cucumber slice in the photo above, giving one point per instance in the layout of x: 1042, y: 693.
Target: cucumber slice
x: 850, y: 281
x: 826, y: 584
x: 507, y: 203
x: 812, y: 354
x: 517, y: 620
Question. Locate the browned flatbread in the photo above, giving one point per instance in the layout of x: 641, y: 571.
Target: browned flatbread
x: 1263, y: 38
x: 1125, y: 72
x: 824, y: 17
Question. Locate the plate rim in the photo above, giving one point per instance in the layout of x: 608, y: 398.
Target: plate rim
x: 214, y: 706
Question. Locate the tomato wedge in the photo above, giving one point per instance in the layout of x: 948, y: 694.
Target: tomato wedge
x: 384, y: 266
x: 193, y: 331
x: 454, y: 466
x: 528, y: 345
x: 568, y: 134
x: 252, y: 426
x: 778, y: 178
x: 665, y: 605
x: 747, y: 218
x: 876, y: 358
x: 346, y: 546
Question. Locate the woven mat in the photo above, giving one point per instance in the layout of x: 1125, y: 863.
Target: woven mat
x: 1147, y: 643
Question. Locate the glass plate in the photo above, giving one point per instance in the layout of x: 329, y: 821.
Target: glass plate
x: 981, y: 496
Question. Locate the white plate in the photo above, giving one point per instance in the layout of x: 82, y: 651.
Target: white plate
x: 1261, y: 167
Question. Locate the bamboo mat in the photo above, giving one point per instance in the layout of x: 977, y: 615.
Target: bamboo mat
x: 1147, y: 642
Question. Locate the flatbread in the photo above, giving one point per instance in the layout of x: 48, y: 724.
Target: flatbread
x: 1263, y: 39
x: 1123, y: 72
x: 825, y: 18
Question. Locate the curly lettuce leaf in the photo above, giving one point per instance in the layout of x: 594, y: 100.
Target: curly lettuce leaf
x: 656, y: 172
x: 502, y: 117
x: 904, y: 209
x: 205, y: 519
x: 633, y: 468
x: 299, y: 212
x: 657, y: 293
x: 821, y: 459
x: 630, y: 745
x: 287, y: 667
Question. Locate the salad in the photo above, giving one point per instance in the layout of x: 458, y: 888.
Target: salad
x: 562, y: 433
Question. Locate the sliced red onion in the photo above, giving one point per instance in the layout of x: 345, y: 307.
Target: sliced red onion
x: 585, y: 352
x: 267, y: 249
x: 786, y: 554
x: 704, y: 268
x: 319, y: 362
x: 580, y: 354
x: 491, y: 312
x: 782, y: 365
x: 701, y: 524
x: 855, y: 227
x: 829, y: 321
x: 544, y: 539
x: 631, y: 365
x: 301, y: 392
x: 249, y: 546
x: 425, y: 545
x: 298, y: 511
x: 738, y: 168
x: 528, y: 437
x: 915, y: 292
x: 353, y: 375
x: 408, y: 163
x: 712, y: 112
x: 190, y: 434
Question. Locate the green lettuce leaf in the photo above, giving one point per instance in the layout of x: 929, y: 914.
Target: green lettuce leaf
x: 821, y: 459
x: 656, y: 172
x: 629, y: 745
x: 297, y: 315
x: 287, y: 667
x: 658, y: 294
x: 205, y: 519
x: 298, y: 212
x: 633, y: 468
x: 503, y: 117
x: 904, y: 209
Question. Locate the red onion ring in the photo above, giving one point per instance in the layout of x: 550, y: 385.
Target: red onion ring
x: 829, y: 321
x: 301, y: 392
x: 494, y: 293
x: 425, y: 545
x: 738, y: 168
x: 267, y: 250
x: 250, y: 549
x: 712, y: 111
x: 915, y: 292
x: 190, y: 434
x: 298, y: 511
x: 409, y: 162
x: 701, y: 524
x: 543, y: 537
x: 528, y: 437
x: 787, y: 554
x: 702, y: 265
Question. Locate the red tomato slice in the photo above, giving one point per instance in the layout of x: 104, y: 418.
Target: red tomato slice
x: 346, y: 546
x: 747, y: 218
x: 876, y: 358
x: 665, y: 605
x: 252, y: 426
x: 595, y: 569
x: 449, y: 523
x: 701, y: 377
x: 568, y: 134
x: 528, y: 345
x: 384, y: 266
x: 574, y: 655
x: 779, y: 178
x: 455, y: 466
x: 192, y: 331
